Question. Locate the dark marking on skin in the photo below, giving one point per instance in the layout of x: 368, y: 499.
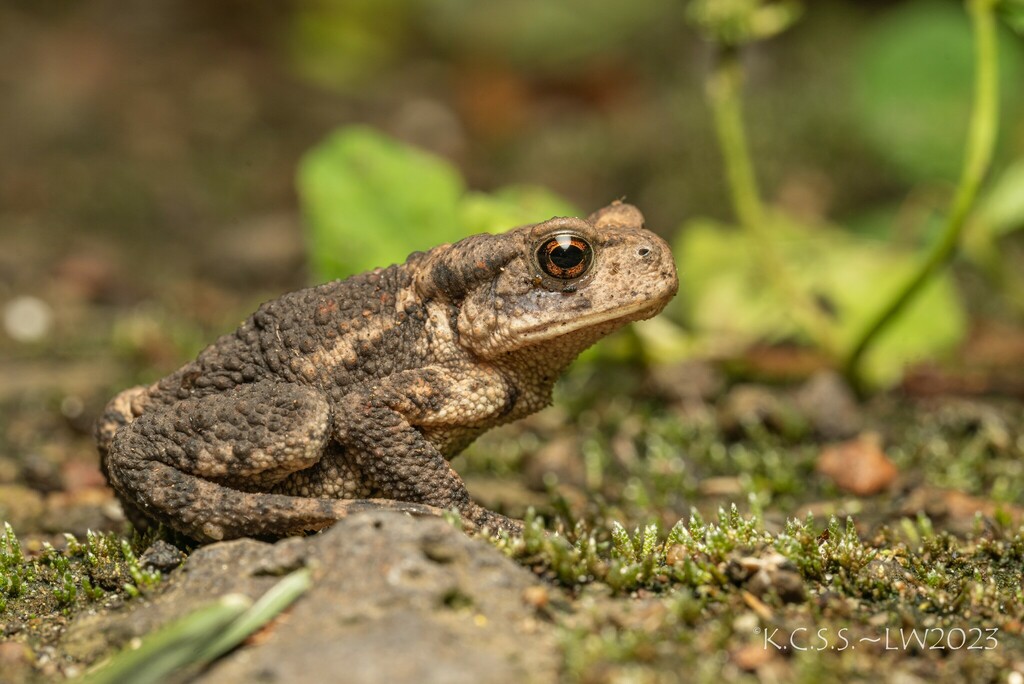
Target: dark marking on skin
x: 447, y: 281
x: 188, y: 379
x: 511, y: 397
x: 580, y: 303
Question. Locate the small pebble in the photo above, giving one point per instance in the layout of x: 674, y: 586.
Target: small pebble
x: 161, y: 556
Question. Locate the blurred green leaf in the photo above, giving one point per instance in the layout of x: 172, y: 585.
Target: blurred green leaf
x: 1001, y: 210
x: 735, y: 22
x: 1012, y: 12
x: 913, y: 81
x: 540, y: 35
x: 662, y: 341
x: 513, y: 205
x: 339, y: 44
x: 370, y: 200
x: 725, y: 295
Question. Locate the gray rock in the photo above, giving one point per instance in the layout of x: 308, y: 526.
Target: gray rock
x: 830, y: 405
x: 161, y: 556
x: 394, y: 599
x: 747, y: 406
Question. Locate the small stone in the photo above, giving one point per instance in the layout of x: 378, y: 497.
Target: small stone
x: 77, y: 475
x: 559, y: 461
x: 86, y: 277
x: 689, y: 380
x: 830, y: 406
x: 957, y: 510
x: 737, y: 572
x: 372, y: 588
x: 785, y: 584
x: 888, y: 570
x: 536, y: 596
x: 42, y: 474
x: 16, y: 661
x: 78, y: 511
x: 748, y: 406
x: 789, y: 586
x: 161, y: 556
x: 21, y: 507
x: 721, y: 486
x: 751, y: 657
x: 13, y: 653
x: 858, y: 466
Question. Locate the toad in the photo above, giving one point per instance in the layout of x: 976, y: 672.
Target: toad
x: 353, y: 395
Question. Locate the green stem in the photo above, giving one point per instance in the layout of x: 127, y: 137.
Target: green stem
x: 981, y: 137
x: 724, y: 93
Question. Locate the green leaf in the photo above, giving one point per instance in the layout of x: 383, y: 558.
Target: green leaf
x: 913, y: 80
x: 540, y: 35
x: 1012, y: 12
x: 513, y: 205
x: 735, y: 22
x: 342, y: 45
x: 1001, y: 210
x: 726, y: 297
x: 370, y: 200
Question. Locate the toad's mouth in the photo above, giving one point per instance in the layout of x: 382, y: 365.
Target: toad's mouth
x: 600, y: 322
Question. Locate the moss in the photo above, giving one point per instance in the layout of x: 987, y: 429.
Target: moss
x: 40, y: 590
x: 858, y: 599
x: 671, y: 578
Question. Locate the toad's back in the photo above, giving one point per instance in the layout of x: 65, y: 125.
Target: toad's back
x: 332, y: 337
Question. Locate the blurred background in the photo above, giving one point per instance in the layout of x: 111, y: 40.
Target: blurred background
x: 162, y: 130
x: 149, y: 151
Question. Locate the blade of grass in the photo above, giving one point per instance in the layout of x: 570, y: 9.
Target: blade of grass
x: 269, y: 606
x: 171, y: 648
x: 197, y: 639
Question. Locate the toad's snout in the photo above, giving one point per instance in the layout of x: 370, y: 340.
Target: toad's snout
x: 654, y: 259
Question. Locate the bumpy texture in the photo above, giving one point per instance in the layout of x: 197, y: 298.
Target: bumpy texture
x: 354, y: 394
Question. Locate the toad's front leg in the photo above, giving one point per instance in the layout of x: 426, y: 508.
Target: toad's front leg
x: 387, y: 430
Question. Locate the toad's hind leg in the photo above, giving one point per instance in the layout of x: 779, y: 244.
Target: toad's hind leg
x: 201, y: 466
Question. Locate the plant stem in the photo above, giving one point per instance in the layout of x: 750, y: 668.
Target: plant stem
x: 981, y: 135
x: 724, y: 93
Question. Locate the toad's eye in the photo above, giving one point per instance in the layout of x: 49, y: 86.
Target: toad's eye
x: 565, y: 256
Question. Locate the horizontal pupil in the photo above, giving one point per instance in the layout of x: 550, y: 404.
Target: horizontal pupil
x: 564, y: 257
x: 567, y: 257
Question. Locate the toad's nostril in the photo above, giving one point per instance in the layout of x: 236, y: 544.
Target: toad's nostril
x: 643, y: 251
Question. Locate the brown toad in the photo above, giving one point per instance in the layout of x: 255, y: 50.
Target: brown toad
x: 353, y: 394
